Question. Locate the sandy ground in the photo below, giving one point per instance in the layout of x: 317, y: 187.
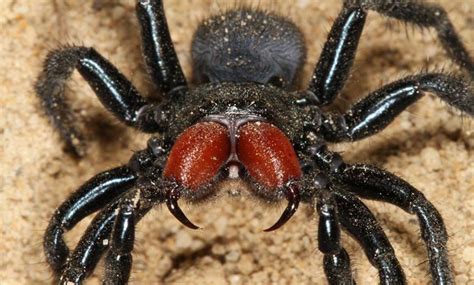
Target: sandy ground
x: 429, y: 145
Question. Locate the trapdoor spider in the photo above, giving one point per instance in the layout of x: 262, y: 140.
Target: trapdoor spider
x: 244, y: 121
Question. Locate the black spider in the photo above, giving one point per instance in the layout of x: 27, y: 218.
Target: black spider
x: 239, y: 122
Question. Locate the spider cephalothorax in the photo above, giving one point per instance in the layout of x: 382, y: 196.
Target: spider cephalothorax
x: 243, y: 121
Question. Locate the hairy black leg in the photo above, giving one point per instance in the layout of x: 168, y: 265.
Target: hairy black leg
x: 373, y: 183
x: 146, y: 193
x: 337, y: 264
x: 93, y: 195
x: 339, y: 50
x: 90, y: 248
x: 97, y: 237
x: 158, y: 50
x: 378, y: 109
x: 337, y: 56
x: 118, y: 262
x: 424, y: 15
x: 114, y: 91
x: 357, y: 219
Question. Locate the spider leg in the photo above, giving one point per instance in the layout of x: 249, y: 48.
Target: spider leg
x: 424, y: 15
x: 114, y: 91
x: 337, y: 265
x: 357, y: 219
x: 90, y: 248
x: 379, y: 108
x: 90, y: 197
x: 158, y: 50
x: 97, y: 237
x: 118, y: 262
x: 373, y: 183
x: 337, y: 56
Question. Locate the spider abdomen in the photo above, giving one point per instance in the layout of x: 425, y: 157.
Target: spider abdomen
x: 245, y: 45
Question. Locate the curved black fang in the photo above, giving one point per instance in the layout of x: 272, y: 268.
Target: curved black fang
x: 293, y: 196
x: 172, y: 203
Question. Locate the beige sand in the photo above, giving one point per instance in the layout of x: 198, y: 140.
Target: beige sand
x: 429, y: 145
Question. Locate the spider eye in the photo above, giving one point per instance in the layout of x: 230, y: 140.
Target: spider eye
x: 276, y: 81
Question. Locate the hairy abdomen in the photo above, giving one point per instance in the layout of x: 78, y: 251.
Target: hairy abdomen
x: 248, y: 46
